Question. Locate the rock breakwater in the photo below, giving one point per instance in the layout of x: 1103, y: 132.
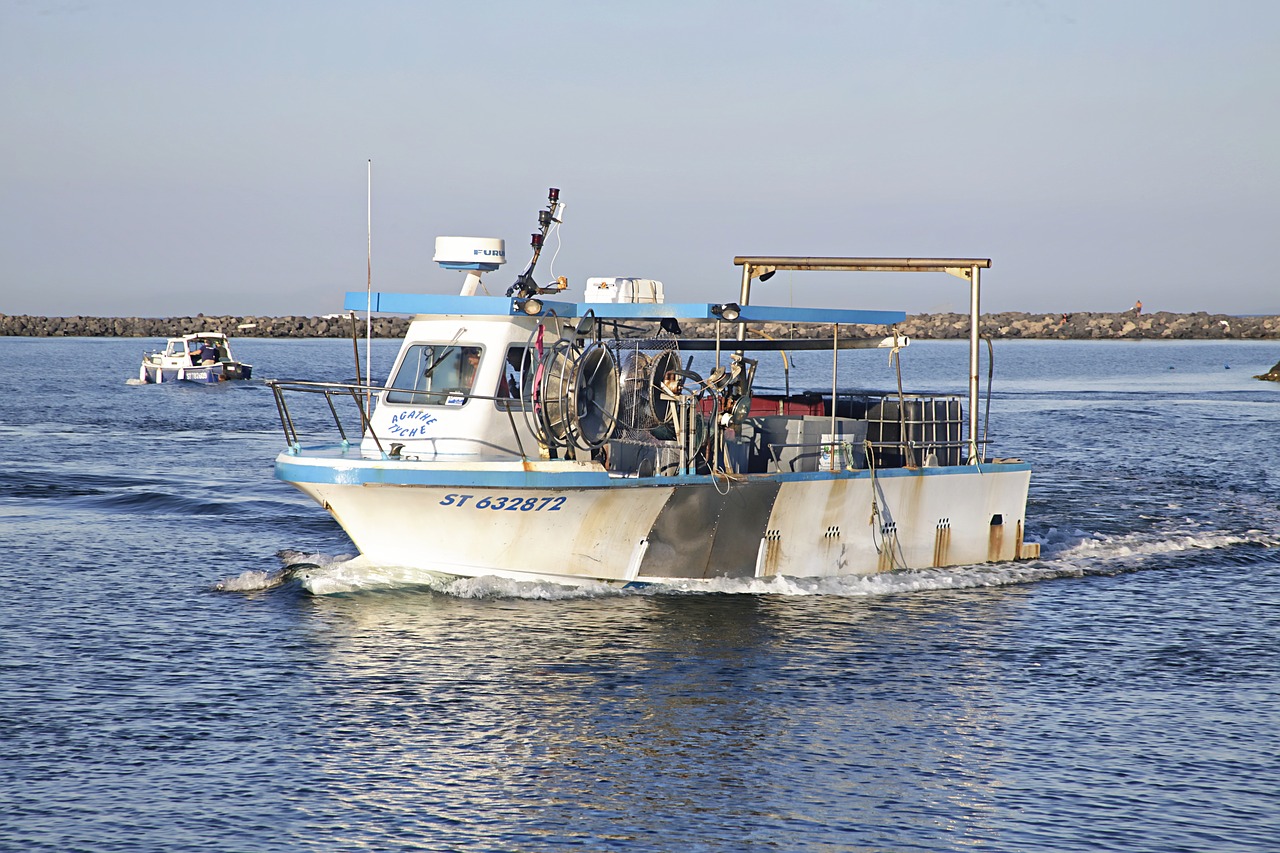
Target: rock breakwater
x: 168, y: 327
x: 1076, y: 326
x: 1095, y: 326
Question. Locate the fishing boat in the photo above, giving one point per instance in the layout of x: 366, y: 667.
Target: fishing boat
x: 195, y: 357
x: 534, y: 437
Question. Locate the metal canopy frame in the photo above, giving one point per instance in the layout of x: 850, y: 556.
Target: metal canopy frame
x: 756, y: 266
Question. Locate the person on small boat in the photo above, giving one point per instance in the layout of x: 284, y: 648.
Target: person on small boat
x: 208, y: 354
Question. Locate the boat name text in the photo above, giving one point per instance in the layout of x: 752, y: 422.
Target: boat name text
x: 503, y: 502
x: 403, y: 423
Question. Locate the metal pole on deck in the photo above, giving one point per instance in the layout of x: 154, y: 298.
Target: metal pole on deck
x: 744, y: 300
x: 368, y: 311
x: 975, y: 455
x: 746, y: 285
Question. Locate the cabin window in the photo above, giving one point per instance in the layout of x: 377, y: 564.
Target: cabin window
x: 436, y: 375
x: 518, y: 370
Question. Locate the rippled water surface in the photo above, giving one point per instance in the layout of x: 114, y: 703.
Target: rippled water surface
x: 166, y: 685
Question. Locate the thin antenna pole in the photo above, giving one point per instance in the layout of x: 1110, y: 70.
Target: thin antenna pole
x: 368, y: 315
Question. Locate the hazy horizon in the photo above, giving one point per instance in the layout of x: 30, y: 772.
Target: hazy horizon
x: 180, y: 159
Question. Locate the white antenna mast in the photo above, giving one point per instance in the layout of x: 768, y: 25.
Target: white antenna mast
x: 368, y: 315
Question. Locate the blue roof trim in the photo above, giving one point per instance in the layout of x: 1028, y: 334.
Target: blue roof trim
x: 418, y: 303
x: 783, y: 314
x: 505, y: 306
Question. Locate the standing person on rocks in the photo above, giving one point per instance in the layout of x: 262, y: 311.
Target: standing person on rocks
x: 1137, y: 307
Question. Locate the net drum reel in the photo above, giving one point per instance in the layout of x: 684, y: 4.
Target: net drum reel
x: 665, y: 383
x: 573, y: 400
x: 595, y: 397
x: 635, y: 410
x: 678, y: 397
x: 551, y: 389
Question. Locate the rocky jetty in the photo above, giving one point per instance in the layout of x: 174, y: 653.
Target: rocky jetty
x: 1076, y: 326
x: 1094, y: 326
x: 168, y: 327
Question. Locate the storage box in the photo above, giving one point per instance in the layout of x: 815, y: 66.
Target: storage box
x: 619, y: 290
x: 781, y: 444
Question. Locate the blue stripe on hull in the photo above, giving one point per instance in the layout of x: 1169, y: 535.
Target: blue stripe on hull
x: 371, y: 472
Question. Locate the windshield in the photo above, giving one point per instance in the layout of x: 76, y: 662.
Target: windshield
x: 435, y: 375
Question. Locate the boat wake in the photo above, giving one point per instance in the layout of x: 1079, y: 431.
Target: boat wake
x: 1065, y: 553
x: 295, y: 565
x: 1102, y: 554
x: 335, y: 576
x: 252, y: 581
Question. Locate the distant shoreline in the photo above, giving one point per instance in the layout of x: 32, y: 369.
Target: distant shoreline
x: 949, y: 326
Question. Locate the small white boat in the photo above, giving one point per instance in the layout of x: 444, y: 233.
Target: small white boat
x: 534, y: 438
x: 196, y: 357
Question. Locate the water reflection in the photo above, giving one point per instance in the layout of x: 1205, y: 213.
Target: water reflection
x: 535, y: 720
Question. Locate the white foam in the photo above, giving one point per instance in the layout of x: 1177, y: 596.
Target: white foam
x: 320, y: 575
x: 492, y: 587
x: 1076, y: 545
x: 251, y: 581
x: 1065, y: 553
x: 334, y: 575
x: 871, y: 586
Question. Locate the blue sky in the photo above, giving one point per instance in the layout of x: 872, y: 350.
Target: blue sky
x: 172, y: 158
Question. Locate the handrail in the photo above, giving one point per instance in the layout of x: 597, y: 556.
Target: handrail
x: 355, y: 391
x: 817, y: 446
x: 329, y: 390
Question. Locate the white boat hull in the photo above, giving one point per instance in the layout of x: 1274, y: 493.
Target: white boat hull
x: 663, y: 529
x: 206, y: 373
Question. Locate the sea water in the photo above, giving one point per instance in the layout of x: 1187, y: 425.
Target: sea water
x: 166, y: 683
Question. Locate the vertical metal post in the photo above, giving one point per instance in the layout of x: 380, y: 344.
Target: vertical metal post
x: 682, y: 433
x: 743, y: 300
x: 975, y: 455
x: 368, y: 310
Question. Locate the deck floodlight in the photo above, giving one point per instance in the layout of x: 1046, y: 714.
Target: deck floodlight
x: 531, y: 306
x: 728, y: 311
